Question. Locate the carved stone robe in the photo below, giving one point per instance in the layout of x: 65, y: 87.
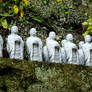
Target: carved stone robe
x: 45, y: 54
x: 81, y: 57
x: 72, y: 53
x: 34, y: 48
x: 63, y: 56
x: 54, y: 51
x: 15, y: 46
x: 1, y: 46
x: 87, y: 49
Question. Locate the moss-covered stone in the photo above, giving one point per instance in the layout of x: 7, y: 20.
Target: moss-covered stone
x: 16, y: 75
x: 27, y: 76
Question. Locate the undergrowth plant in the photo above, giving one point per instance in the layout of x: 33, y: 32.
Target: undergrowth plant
x: 11, y: 8
x: 88, y: 25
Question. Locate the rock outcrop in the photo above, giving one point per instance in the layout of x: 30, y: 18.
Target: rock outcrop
x: 27, y: 76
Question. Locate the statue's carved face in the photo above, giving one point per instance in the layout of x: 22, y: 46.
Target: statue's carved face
x: 33, y: 32
x: 14, y: 29
x: 52, y: 35
x: 69, y: 37
x: 81, y: 43
x: 87, y: 38
x: 63, y: 42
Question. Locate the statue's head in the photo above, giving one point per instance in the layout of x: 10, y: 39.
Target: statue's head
x: 63, y: 42
x: 33, y: 32
x: 52, y: 35
x: 14, y: 29
x: 87, y: 38
x: 81, y: 43
x: 69, y: 37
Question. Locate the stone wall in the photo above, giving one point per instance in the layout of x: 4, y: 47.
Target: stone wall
x: 27, y: 76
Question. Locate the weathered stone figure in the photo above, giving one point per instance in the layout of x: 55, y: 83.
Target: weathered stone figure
x: 71, y: 50
x: 81, y: 56
x: 34, y: 46
x: 87, y: 49
x: 52, y: 49
x: 45, y: 50
x: 15, y: 44
x: 63, y: 52
x: 1, y: 46
x: 45, y: 53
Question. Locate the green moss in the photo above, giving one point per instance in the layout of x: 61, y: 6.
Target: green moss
x: 16, y: 74
x: 27, y: 76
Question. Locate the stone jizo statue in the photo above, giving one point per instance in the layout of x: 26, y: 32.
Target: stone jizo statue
x: 63, y: 52
x: 81, y: 56
x: 87, y: 48
x: 34, y: 46
x: 52, y: 49
x: 15, y: 44
x: 1, y: 46
x: 71, y: 50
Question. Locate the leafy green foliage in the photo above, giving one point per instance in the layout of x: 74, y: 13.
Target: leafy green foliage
x: 38, y: 19
x: 45, y: 2
x: 88, y: 24
x: 11, y: 8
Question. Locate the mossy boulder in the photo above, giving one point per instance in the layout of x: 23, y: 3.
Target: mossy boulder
x: 16, y: 75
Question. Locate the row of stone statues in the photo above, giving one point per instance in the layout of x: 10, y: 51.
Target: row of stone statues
x: 51, y: 52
